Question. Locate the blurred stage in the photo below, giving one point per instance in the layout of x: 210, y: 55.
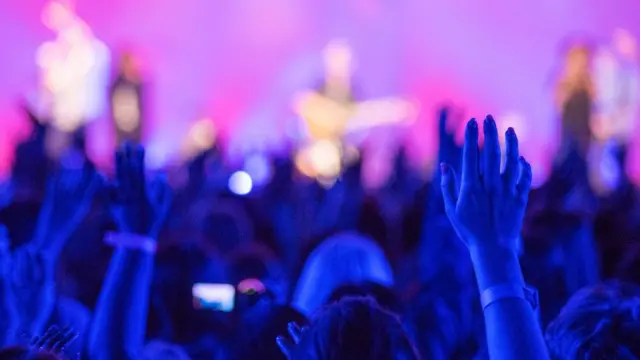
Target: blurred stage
x: 241, y: 63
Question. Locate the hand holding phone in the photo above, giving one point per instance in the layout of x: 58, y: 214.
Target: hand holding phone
x: 219, y: 297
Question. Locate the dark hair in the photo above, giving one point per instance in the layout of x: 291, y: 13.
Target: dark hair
x: 23, y: 353
x: 384, y: 296
x: 445, y: 319
x: 598, y: 322
x: 355, y: 328
x: 255, y: 334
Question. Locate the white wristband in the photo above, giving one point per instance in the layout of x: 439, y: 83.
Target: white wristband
x: 508, y: 291
x: 131, y: 241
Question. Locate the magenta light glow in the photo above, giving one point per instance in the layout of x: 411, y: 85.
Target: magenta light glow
x: 241, y: 62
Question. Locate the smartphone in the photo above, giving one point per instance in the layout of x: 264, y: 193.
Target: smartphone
x: 217, y: 297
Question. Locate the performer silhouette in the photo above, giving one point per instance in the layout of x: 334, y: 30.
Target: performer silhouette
x: 127, y: 101
x: 331, y: 113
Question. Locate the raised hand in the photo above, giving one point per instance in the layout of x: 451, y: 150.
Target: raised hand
x: 489, y: 208
x: 138, y: 207
x: 8, y: 307
x: 288, y: 346
x: 67, y: 201
x: 32, y: 284
x: 54, y: 340
x: 449, y: 151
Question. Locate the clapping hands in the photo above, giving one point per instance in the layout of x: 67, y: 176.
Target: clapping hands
x: 138, y: 207
x: 488, y: 208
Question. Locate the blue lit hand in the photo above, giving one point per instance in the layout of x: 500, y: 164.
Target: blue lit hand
x: 448, y: 150
x: 489, y: 208
x: 287, y: 347
x: 67, y: 201
x: 139, y: 207
x: 32, y: 284
x: 8, y: 307
x: 54, y: 340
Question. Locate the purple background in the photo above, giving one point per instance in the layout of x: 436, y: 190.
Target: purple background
x: 241, y: 61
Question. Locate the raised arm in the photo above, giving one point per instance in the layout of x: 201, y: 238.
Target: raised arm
x: 67, y: 200
x: 8, y: 307
x: 139, y: 210
x: 487, y: 214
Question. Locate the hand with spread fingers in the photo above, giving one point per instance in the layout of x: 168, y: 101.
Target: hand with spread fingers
x: 68, y: 199
x: 32, y: 284
x: 8, y: 306
x: 489, y: 206
x: 139, y: 207
x: 487, y: 214
x: 288, y: 346
x: 448, y: 149
x: 54, y: 340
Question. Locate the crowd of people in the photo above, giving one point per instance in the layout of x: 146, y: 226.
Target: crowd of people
x: 469, y: 264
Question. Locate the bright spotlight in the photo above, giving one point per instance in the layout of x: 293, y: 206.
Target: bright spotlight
x: 240, y: 183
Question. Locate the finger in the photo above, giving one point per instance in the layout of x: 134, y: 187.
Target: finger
x: 470, y: 170
x: 137, y: 168
x: 162, y: 194
x: 511, y: 165
x: 524, y: 181
x: 286, y: 346
x: 89, y: 186
x: 35, y: 271
x: 442, y: 125
x: 55, y: 337
x: 66, y: 339
x: 42, y: 341
x: 130, y: 171
x: 448, y: 186
x: 45, y: 263
x: 491, y: 158
x: 121, y: 174
x: 20, y: 268
x: 34, y: 342
x: 294, y: 331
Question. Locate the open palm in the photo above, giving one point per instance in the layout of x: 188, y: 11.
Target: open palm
x: 489, y: 207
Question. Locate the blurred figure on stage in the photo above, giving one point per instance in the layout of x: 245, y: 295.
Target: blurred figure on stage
x: 330, y: 114
x: 618, y: 89
x: 574, y: 95
x: 127, y: 100
x: 74, y: 71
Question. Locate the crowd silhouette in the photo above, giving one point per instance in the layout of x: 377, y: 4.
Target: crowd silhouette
x: 469, y: 264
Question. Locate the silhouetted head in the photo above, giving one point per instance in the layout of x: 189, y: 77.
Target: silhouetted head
x: 445, y: 319
x: 160, y: 350
x: 598, y: 322
x: 578, y: 60
x: 255, y: 335
x: 383, y: 295
x: 355, y: 328
x: 58, y: 15
x: 341, y: 259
